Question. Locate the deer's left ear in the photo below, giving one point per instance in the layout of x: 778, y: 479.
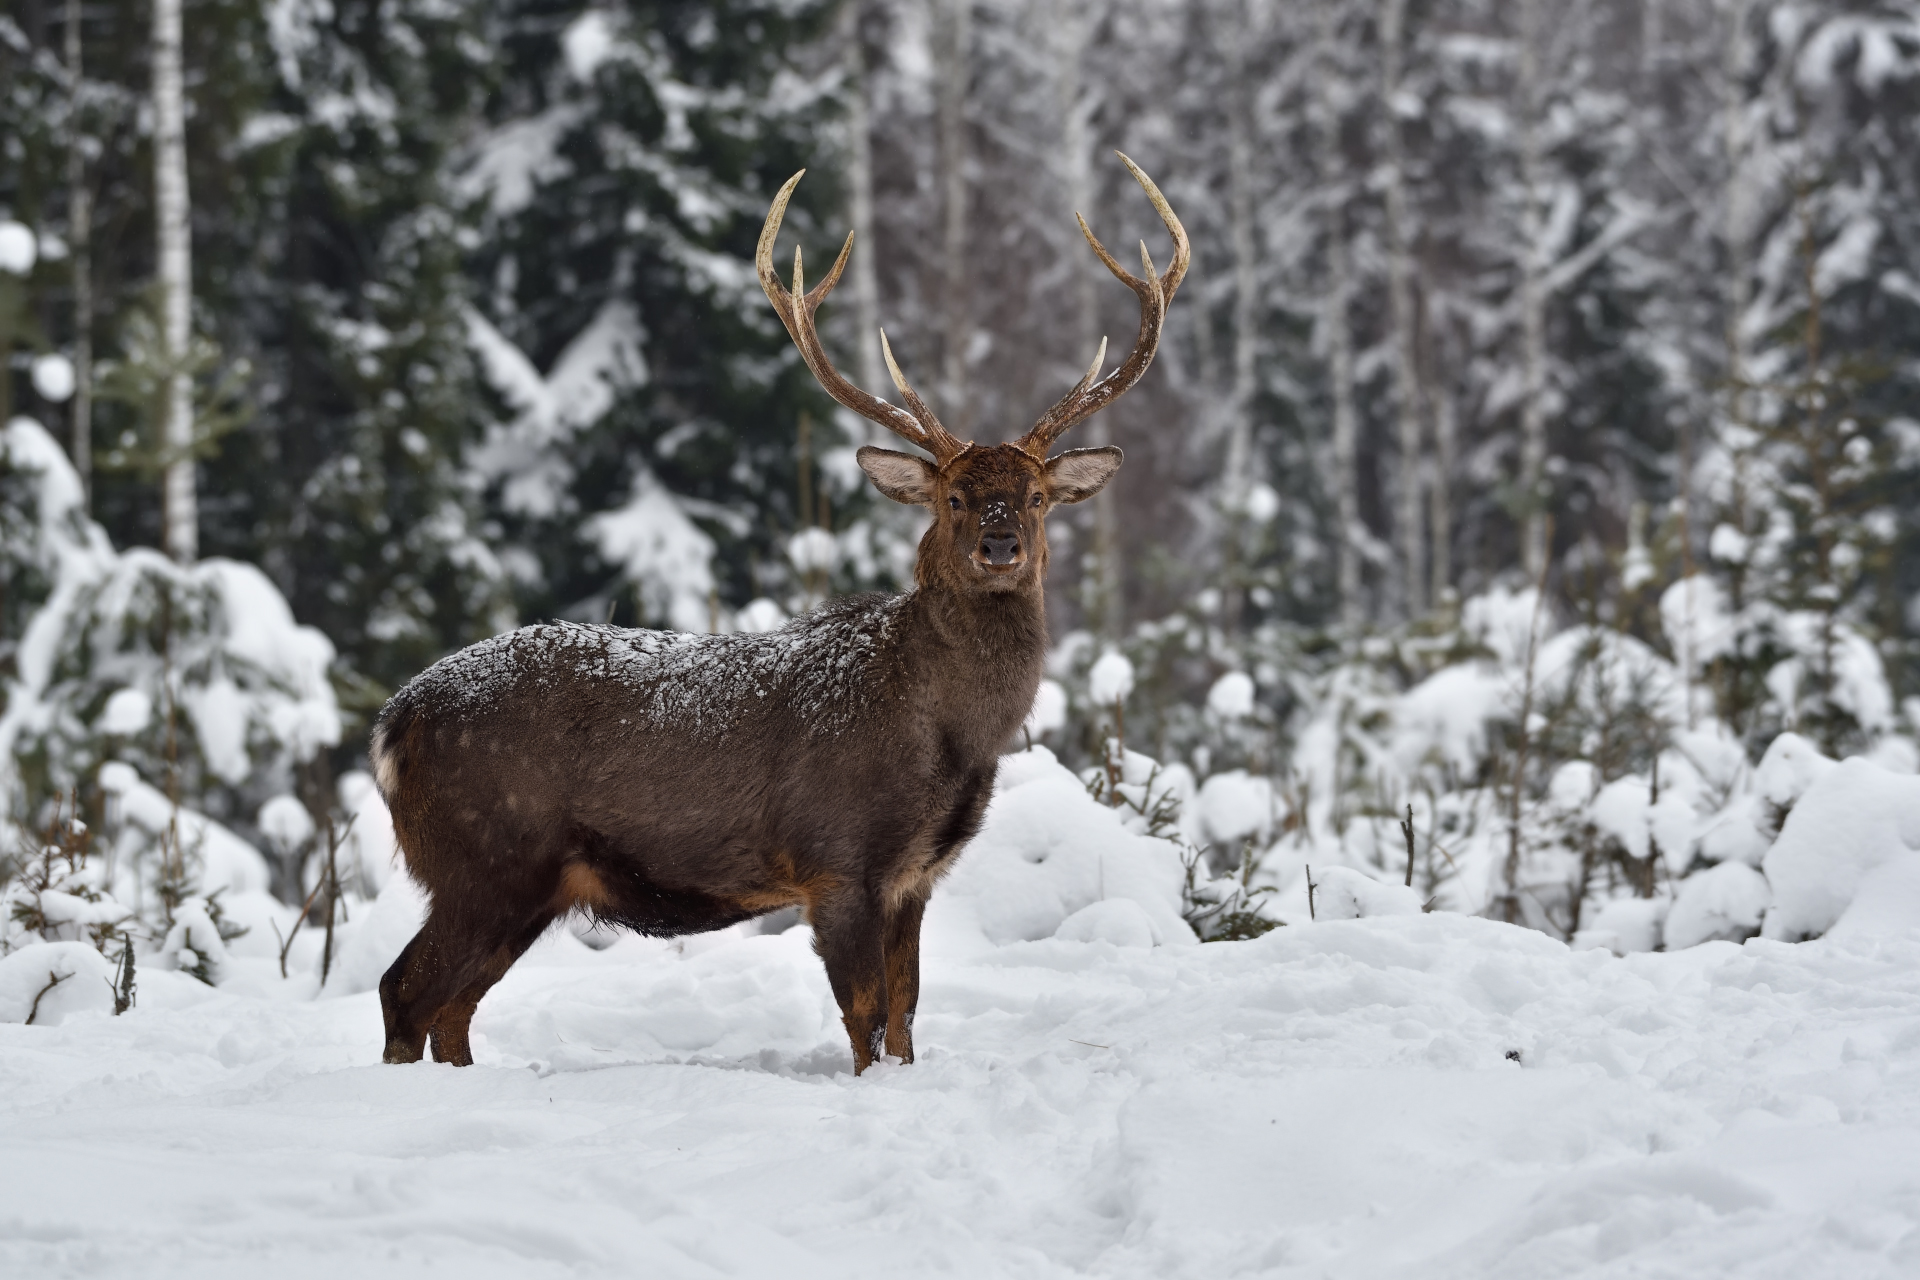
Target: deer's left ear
x: 1078, y: 474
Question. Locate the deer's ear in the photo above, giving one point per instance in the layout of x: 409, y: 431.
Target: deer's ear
x: 900, y: 476
x: 1078, y: 474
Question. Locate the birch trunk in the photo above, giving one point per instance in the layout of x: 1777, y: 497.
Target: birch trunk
x: 1338, y: 335
x: 1533, y: 302
x: 952, y: 45
x: 179, y: 513
x: 1406, y: 372
x: 80, y: 233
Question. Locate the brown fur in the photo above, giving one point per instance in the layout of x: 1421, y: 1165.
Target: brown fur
x: 562, y: 787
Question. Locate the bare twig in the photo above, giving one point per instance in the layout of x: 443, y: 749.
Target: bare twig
x: 53, y: 980
x: 1311, y: 886
x: 336, y: 836
x: 1510, y: 900
x: 1406, y: 829
x: 123, y: 986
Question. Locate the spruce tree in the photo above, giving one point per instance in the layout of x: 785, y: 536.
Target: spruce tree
x: 631, y: 159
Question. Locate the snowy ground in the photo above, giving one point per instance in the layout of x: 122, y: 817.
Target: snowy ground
x: 1419, y: 1096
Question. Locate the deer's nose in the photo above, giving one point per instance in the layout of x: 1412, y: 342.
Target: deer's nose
x: 1000, y: 548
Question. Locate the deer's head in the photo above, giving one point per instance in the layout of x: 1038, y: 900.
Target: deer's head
x: 989, y: 502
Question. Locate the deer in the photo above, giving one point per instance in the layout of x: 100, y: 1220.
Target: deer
x: 674, y: 784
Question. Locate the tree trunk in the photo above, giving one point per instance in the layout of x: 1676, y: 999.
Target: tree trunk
x: 864, y: 267
x: 80, y: 233
x: 953, y: 42
x: 1237, y: 481
x: 1446, y: 447
x: 179, y: 514
x: 1533, y: 303
x: 1076, y: 102
x: 1338, y: 334
x: 1406, y: 372
x: 1736, y: 230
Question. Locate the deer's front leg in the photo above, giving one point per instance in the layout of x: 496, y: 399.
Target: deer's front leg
x: 848, y: 933
x: 902, y: 949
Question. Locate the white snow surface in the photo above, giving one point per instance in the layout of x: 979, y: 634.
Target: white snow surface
x: 1420, y: 1096
x: 1395, y: 1095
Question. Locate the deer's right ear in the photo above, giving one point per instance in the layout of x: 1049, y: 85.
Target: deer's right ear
x: 900, y: 476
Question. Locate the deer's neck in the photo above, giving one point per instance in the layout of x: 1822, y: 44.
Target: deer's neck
x: 979, y: 656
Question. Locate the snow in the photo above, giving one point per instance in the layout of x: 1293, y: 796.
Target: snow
x: 606, y: 357
x: 143, y: 812
x: 813, y: 551
x: 53, y: 377
x: 1853, y: 819
x: 1047, y: 850
x: 1430, y: 1096
x: 1232, y: 805
x: 1790, y: 766
x: 1049, y: 709
x: 285, y: 823
x: 1725, y: 902
x: 588, y: 42
x: 1119, y: 921
x: 1111, y: 678
x: 1626, y: 925
x: 1231, y: 697
x: 127, y: 712
x: 665, y: 556
x: 1341, y: 893
x: 1697, y: 617
x: 81, y: 978
x: 18, y: 249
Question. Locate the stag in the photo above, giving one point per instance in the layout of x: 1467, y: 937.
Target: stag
x: 674, y: 784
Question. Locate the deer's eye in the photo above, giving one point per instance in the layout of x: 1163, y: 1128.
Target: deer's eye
x: 954, y: 502
x: 1036, y: 499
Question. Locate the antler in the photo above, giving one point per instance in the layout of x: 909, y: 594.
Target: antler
x: 916, y: 423
x: 1094, y: 393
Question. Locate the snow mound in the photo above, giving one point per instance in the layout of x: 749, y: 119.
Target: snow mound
x: 1626, y: 925
x: 1341, y: 893
x: 1425, y: 1095
x: 1117, y: 920
x: 66, y: 977
x: 1851, y: 819
x: 1048, y: 849
x: 1726, y: 903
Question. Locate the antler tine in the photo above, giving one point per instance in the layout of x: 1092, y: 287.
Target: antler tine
x: 1079, y: 388
x: 1155, y: 293
x: 796, y: 307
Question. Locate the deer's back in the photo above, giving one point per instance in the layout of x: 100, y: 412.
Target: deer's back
x: 701, y: 756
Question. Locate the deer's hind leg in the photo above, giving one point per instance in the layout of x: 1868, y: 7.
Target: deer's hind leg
x: 448, y: 1033
x: 438, y: 979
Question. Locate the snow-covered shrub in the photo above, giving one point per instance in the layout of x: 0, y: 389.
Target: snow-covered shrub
x: 1560, y: 776
x: 1853, y: 819
x: 195, y: 676
x: 1046, y: 850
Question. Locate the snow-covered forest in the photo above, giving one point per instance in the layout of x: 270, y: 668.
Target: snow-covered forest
x: 1513, y: 575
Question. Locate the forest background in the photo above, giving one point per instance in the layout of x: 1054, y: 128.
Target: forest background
x: 1531, y: 450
